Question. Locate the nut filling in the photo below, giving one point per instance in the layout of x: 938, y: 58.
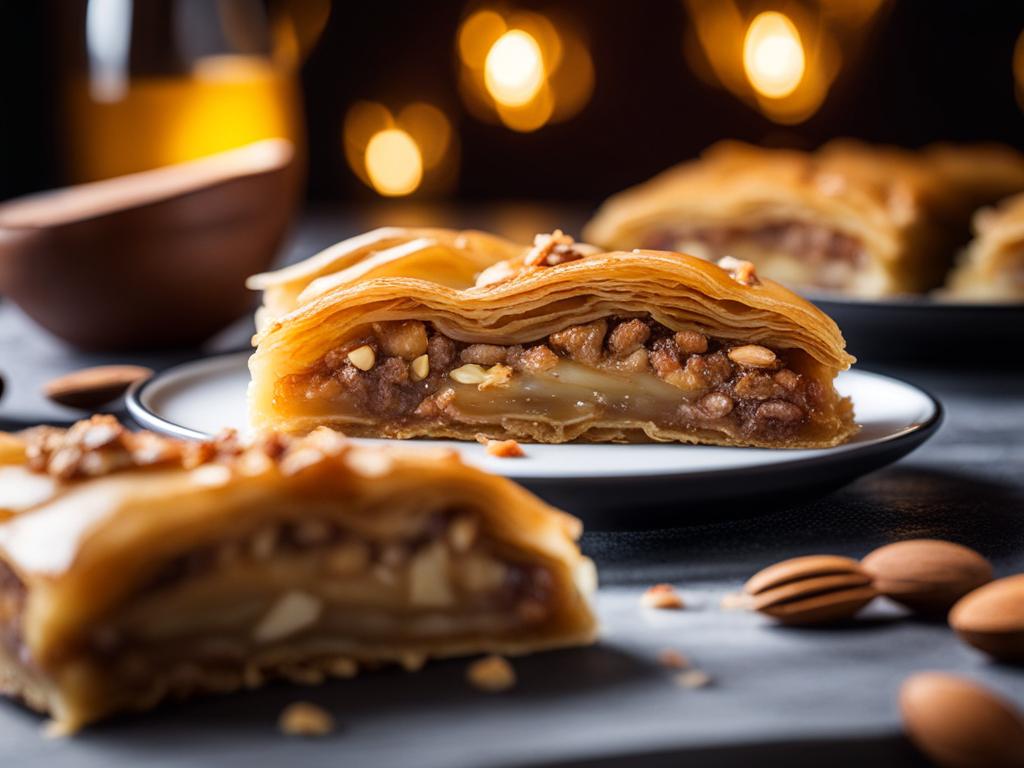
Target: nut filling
x: 831, y: 256
x: 306, y: 582
x: 617, y: 368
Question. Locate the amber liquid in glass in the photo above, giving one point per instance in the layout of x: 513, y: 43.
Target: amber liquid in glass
x: 226, y: 101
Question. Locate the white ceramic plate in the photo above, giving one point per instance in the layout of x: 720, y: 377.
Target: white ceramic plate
x: 201, y: 398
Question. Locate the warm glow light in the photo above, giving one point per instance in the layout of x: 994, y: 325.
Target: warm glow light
x: 773, y: 55
x: 522, y: 69
x: 514, y: 69
x: 429, y: 128
x: 477, y: 35
x: 394, y: 164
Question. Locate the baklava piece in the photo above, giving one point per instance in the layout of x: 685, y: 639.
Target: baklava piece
x: 862, y: 220
x: 992, y: 267
x: 560, y: 343
x: 134, y: 568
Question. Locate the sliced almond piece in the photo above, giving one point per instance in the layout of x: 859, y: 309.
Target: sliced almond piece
x: 293, y: 612
x: 752, y: 356
x: 91, y: 388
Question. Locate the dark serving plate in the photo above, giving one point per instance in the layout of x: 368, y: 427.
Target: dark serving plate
x: 923, y: 330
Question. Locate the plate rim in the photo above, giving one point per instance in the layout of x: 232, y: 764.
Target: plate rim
x: 910, y: 302
x: 909, y: 437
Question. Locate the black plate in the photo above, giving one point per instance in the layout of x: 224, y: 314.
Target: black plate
x: 918, y: 329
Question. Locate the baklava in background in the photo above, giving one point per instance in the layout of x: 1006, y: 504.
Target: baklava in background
x: 852, y: 218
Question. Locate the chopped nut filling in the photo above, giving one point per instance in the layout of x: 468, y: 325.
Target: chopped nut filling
x: 425, y: 577
x: 833, y: 255
x: 685, y: 379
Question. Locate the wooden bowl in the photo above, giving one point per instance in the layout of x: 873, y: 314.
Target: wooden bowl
x: 151, y: 260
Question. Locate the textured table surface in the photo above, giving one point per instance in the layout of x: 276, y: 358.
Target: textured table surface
x: 777, y: 697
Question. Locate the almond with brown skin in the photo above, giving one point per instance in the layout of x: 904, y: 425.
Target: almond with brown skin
x: 90, y: 388
x: 815, y: 589
x: 960, y: 724
x: 927, y: 575
x: 991, y: 618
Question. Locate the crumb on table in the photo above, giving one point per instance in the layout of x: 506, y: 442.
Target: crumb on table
x: 492, y: 674
x: 663, y: 597
x: 503, y: 449
x: 302, y: 718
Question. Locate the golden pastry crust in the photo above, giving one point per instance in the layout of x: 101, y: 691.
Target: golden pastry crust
x: 375, y: 254
x: 507, y: 328
x: 992, y: 266
x: 866, y: 220
x: 214, y: 566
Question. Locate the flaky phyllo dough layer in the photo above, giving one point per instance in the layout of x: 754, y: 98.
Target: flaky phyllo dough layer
x: 445, y: 334
x: 134, y: 567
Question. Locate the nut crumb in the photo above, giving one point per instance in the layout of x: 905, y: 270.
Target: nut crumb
x: 673, y: 659
x: 492, y: 674
x: 663, y: 597
x: 302, y: 718
x: 503, y: 449
x: 693, y: 678
x: 743, y: 272
x: 552, y: 250
x: 736, y: 601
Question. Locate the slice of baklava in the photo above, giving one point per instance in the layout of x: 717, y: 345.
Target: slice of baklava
x: 559, y: 344
x: 863, y: 220
x: 992, y: 266
x: 133, y: 567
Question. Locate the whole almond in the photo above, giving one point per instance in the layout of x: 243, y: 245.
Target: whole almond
x: 90, y: 388
x: 811, y: 590
x: 960, y: 724
x: 927, y: 575
x: 991, y: 618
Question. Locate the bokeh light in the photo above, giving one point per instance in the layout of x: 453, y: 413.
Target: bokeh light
x: 782, y: 64
x: 773, y: 55
x: 397, y: 156
x: 514, y: 69
x: 394, y: 163
x: 523, y: 69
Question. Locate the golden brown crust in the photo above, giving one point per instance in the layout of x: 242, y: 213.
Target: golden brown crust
x: 522, y: 299
x: 373, y: 254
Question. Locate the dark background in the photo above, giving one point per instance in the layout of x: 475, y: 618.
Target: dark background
x: 926, y: 71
